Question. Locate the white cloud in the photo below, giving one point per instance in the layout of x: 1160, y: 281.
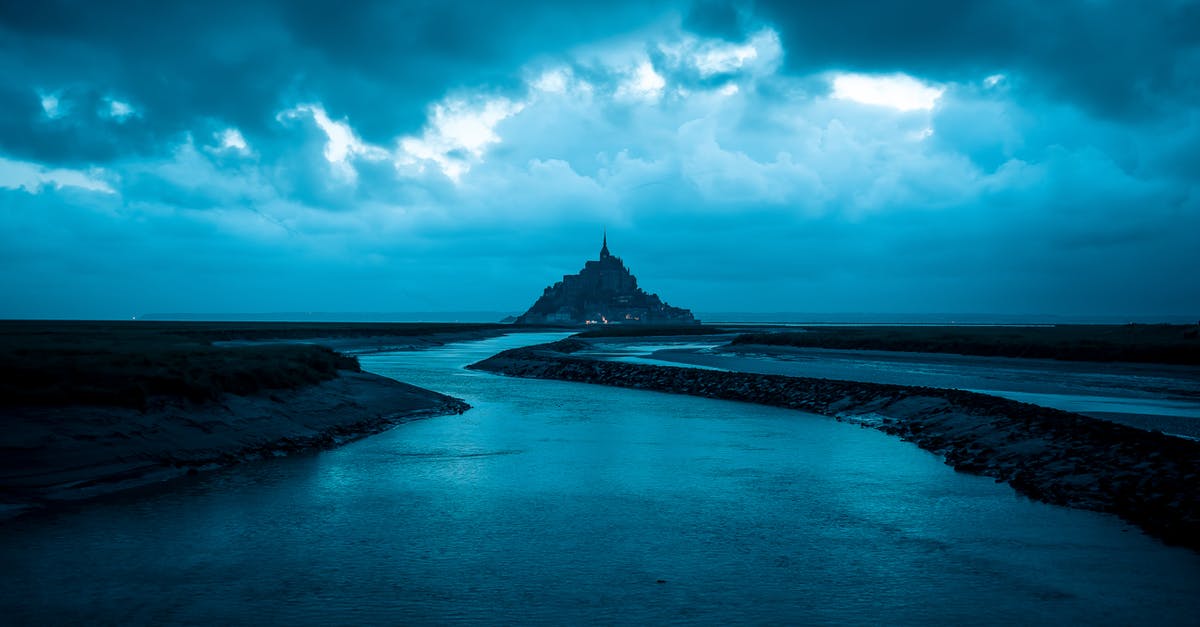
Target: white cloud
x: 32, y: 177
x: 231, y: 139
x: 898, y: 91
x: 723, y: 58
x: 993, y: 80
x: 642, y: 83
x: 553, y: 81
x: 457, y: 135
x: 120, y: 110
x: 342, y: 143
x: 757, y: 55
x: 52, y: 106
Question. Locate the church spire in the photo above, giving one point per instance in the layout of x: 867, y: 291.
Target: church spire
x: 604, y: 248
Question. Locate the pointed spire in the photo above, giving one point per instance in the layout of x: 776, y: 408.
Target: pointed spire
x: 604, y: 248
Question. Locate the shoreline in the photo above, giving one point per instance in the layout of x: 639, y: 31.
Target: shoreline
x: 1173, y: 410
x: 1149, y: 479
x: 71, y: 453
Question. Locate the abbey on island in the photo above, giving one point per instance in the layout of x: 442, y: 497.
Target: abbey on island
x: 603, y: 292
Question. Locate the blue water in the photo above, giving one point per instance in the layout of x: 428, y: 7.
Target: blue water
x: 567, y: 503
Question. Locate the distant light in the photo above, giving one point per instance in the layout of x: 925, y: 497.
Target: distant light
x: 898, y: 91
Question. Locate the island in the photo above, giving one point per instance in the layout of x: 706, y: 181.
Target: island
x: 603, y: 292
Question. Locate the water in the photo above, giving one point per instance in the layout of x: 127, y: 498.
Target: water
x: 1146, y: 396
x: 567, y: 503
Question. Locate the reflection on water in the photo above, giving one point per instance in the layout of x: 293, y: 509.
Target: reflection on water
x: 562, y: 502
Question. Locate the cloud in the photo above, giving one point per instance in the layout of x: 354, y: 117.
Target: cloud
x: 342, y: 144
x: 769, y: 156
x: 231, y: 139
x: 119, y: 110
x: 898, y: 91
x: 52, y: 106
x: 642, y: 83
x: 459, y: 132
x: 1114, y: 59
x: 33, y: 177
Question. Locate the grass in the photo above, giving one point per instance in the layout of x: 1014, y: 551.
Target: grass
x: 126, y: 364
x: 1144, y: 343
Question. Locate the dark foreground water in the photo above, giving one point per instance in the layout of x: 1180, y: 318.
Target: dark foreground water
x: 566, y: 503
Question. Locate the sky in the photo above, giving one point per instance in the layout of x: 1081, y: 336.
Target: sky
x: 926, y: 156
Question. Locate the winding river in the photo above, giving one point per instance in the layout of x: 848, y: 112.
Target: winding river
x: 567, y: 503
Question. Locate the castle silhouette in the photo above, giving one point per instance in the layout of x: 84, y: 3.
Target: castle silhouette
x: 603, y: 292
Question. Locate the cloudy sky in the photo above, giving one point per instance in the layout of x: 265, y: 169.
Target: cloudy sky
x: 270, y: 155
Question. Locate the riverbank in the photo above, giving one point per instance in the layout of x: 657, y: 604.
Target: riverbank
x: 73, y: 452
x: 1135, y: 343
x: 1146, y: 478
x: 1151, y: 397
x: 89, y: 408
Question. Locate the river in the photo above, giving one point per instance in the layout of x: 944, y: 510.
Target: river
x: 569, y: 503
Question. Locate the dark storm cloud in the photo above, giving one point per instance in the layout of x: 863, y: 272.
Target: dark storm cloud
x: 1119, y: 59
x: 454, y: 155
x: 241, y: 61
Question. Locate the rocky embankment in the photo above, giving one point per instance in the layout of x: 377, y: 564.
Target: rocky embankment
x: 1146, y: 478
x: 64, y: 453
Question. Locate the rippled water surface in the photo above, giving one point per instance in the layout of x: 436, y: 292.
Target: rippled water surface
x: 567, y: 503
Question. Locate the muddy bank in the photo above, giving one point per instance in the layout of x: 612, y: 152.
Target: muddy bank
x: 74, y: 452
x: 1145, y: 396
x: 1147, y: 478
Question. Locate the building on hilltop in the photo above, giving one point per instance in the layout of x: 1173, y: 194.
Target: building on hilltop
x: 603, y: 292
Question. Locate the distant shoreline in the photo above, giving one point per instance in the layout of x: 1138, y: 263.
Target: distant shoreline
x: 1149, y: 479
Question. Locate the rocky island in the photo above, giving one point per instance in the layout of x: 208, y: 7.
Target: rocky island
x: 603, y: 292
